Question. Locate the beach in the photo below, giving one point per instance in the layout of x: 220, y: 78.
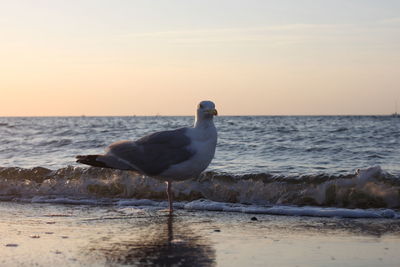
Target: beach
x: 269, y: 128
x: 281, y: 191
x: 85, y: 235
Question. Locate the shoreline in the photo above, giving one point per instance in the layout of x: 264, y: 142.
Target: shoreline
x: 76, y: 235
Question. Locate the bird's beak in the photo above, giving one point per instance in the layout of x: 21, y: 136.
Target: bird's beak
x: 212, y: 112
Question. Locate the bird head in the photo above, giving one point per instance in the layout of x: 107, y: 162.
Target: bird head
x: 206, y: 110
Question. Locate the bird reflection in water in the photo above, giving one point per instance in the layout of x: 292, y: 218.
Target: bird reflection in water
x: 157, y: 243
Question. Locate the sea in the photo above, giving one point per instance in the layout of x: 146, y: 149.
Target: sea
x: 323, y: 166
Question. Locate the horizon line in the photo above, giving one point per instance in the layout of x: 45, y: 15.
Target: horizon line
x: 224, y: 115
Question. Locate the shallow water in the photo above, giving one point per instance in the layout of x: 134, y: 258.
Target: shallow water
x: 76, y: 235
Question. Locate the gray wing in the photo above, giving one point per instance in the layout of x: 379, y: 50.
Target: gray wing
x: 153, y: 153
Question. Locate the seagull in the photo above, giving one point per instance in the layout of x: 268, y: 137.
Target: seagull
x: 173, y: 155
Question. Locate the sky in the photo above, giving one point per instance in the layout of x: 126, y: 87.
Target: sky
x: 129, y: 57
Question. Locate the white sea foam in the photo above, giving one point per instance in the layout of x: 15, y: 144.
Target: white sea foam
x: 207, y: 205
x: 292, y: 210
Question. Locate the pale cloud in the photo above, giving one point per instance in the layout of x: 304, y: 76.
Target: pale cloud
x: 390, y: 21
x: 274, y: 34
x: 235, y: 31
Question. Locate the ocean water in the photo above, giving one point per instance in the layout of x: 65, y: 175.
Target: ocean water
x: 292, y: 165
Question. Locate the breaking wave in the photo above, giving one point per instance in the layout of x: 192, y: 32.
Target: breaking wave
x: 370, y: 188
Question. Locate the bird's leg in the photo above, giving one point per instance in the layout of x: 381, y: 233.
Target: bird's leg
x: 169, y: 193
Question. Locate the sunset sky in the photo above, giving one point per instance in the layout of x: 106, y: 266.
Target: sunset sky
x: 300, y: 57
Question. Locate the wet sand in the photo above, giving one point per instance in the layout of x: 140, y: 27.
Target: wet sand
x: 68, y: 235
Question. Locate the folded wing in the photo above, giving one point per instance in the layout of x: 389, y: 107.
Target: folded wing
x: 150, y: 155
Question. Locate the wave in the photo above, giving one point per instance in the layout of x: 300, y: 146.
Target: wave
x: 56, y: 142
x: 208, y: 205
x: 370, y: 188
x: 340, y: 129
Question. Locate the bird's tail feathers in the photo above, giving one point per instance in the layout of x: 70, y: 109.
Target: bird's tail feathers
x: 91, y: 160
x: 105, y: 161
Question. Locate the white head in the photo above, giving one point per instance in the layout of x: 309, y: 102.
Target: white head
x: 206, y: 110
